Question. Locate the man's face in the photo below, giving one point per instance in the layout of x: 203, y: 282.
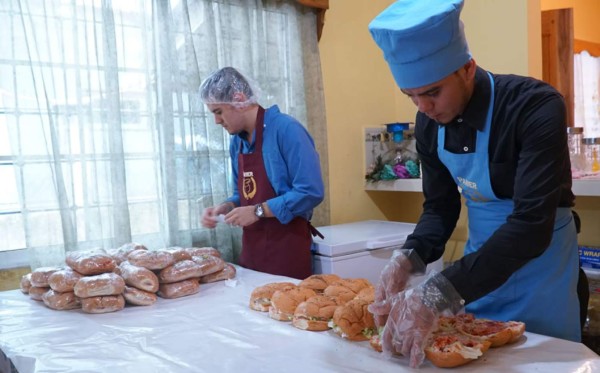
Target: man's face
x: 228, y: 116
x: 442, y: 101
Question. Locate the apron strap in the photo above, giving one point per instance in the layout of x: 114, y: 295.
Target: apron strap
x: 314, y: 231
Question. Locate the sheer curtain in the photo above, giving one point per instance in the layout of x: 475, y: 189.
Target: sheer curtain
x: 587, y: 93
x: 107, y: 142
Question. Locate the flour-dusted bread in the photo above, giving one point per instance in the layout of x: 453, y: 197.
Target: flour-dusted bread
x: 99, y: 285
x: 103, y: 304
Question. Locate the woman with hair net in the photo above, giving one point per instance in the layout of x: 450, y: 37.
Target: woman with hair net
x: 278, y: 177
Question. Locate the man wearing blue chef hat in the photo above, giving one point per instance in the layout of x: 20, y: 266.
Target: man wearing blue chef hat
x: 502, y: 140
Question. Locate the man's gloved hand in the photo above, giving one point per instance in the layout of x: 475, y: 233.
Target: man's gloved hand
x: 413, y: 316
x: 403, y: 265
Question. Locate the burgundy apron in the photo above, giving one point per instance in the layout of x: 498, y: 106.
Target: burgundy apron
x: 267, y: 245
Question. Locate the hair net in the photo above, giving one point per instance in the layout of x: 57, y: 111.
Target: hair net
x: 226, y: 86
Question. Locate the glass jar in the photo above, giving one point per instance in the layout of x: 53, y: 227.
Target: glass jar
x: 578, y: 159
x: 591, y: 149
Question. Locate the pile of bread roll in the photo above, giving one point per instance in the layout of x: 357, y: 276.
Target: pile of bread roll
x: 320, y: 302
x: 101, y: 281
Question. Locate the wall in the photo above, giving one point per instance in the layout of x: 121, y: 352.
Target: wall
x: 360, y: 91
x: 585, y: 16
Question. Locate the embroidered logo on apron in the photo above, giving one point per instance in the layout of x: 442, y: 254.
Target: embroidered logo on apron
x: 249, y: 189
x: 469, y: 190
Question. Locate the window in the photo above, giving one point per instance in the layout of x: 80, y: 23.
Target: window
x: 102, y: 135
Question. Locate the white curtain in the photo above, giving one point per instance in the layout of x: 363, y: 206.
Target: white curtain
x: 587, y: 93
x: 105, y: 140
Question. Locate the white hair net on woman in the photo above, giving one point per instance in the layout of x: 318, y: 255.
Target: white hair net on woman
x: 228, y: 86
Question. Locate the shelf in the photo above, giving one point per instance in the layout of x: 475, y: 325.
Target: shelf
x: 400, y: 185
x: 589, y: 187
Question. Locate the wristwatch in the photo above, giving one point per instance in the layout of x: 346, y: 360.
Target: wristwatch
x: 259, y: 211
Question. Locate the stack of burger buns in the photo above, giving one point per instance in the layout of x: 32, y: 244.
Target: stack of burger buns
x: 101, y: 281
x: 320, y: 302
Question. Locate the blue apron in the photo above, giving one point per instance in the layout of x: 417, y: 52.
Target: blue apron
x: 542, y: 293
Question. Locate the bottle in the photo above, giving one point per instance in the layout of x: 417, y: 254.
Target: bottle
x: 578, y: 161
x: 592, y: 153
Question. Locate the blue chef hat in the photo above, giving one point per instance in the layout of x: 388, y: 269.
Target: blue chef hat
x: 423, y: 41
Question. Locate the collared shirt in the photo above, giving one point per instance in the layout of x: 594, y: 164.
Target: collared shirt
x: 291, y: 162
x: 528, y: 163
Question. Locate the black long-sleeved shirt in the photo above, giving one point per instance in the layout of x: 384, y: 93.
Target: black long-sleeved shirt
x: 528, y: 162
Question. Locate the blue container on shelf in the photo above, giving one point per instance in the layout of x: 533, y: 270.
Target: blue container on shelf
x: 397, y: 130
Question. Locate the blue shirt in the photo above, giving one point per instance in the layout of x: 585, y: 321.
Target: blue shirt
x: 291, y: 162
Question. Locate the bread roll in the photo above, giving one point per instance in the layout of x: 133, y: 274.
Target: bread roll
x: 498, y: 333
x: 226, y: 273
x: 318, y: 283
x: 179, y: 253
x: 199, y: 251
x: 120, y: 254
x: 353, y: 321
x: 36, y: 293
x: 64, y: 280
x: 39, y: 276
x: 138, y: 297
x: 91, y: 262
x: 367, y: 294
x: 25, y: 283
x: 139, y: 277
x: 346, y: 289
x: 154, y: 260
x: 314, y: 313
x: 208, y: 263
x: 179, y: 289
x: 180, y: 271
x: 260, y: 298
x: 103, y: 304
x: 284, y: 302
x: 452, y: 349
x: 61, y: 301
x: 99, y: 285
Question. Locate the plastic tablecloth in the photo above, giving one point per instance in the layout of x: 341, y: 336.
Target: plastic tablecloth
x: 215, y: 331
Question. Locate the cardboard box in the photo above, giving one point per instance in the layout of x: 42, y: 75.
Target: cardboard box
x: 589, y: 256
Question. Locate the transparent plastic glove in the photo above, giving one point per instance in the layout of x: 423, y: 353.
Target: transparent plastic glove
x: 403, y: 265
x: 413, y: 317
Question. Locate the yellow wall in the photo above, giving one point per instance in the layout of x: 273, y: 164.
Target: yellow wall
x: 586, y: 15
x: 360, y: 91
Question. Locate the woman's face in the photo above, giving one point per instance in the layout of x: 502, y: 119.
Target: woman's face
x: 443, y: 100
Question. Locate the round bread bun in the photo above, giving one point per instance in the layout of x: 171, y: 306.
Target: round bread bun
x: 367, y: 294
x: 346, y: 289
x: 318, y: 283
x: 497, y: 332
x: 314, y: 313
x: 448, y: 350
x: 353, y: 321
x: 260, y: 298
x: 517, y: 329
x: 284, y: 302
x: 227, y: 273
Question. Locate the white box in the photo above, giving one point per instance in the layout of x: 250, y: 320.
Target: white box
x: 360, y: 249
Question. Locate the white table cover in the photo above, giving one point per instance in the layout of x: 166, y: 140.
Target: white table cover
x: 216, y: 331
